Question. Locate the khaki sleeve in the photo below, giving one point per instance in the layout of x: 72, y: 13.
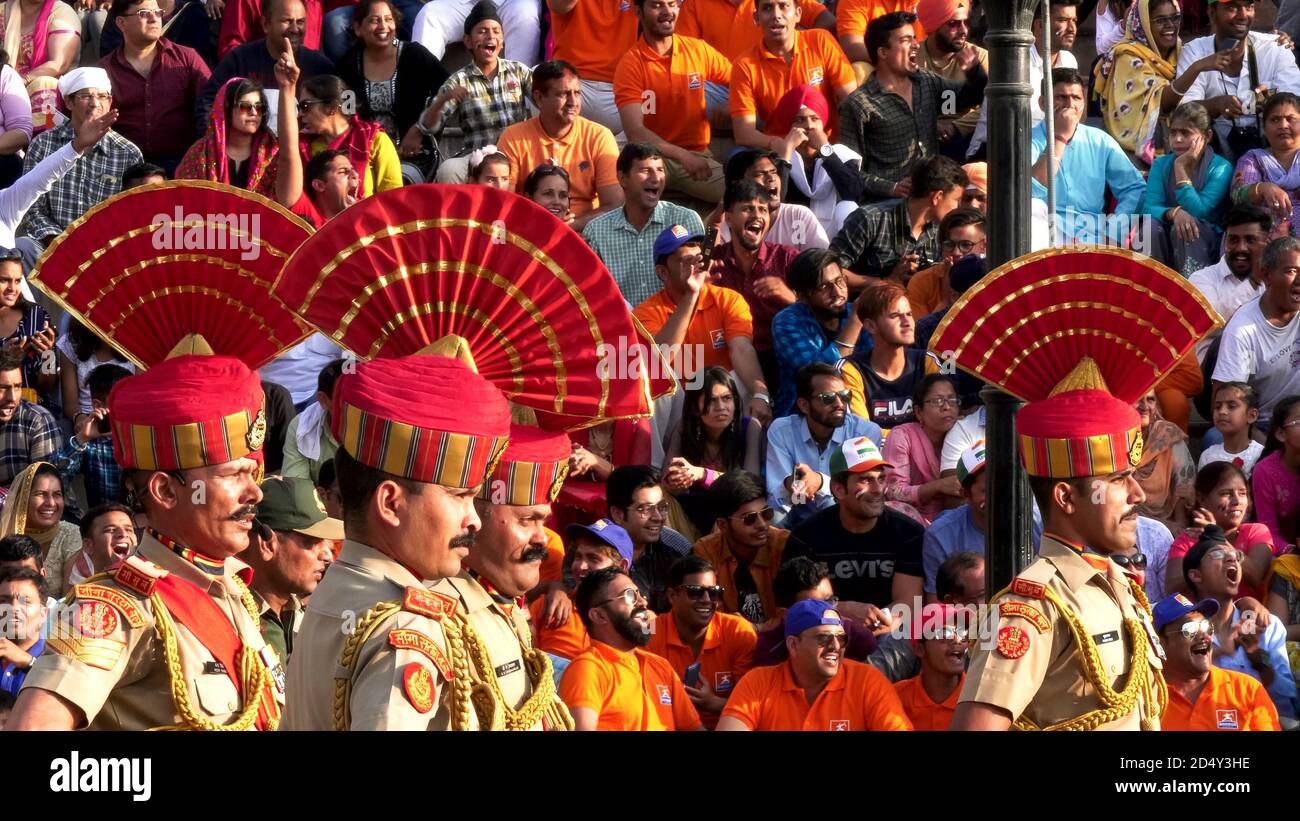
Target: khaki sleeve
x: 401, y: 676
x: 1012, y: 657
x: 92, y: 649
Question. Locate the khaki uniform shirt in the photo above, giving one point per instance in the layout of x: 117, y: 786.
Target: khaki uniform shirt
x: 398, y: 682
x: 112, y: 665
x: 1027, y: 662
x: 505, y: 636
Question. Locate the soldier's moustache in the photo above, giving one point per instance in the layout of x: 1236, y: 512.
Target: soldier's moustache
x: 243, y: 512
x: 466, y: 539
x: 533, y: 553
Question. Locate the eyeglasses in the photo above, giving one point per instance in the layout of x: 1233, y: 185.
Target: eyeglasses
x: 92, y: 97
x: 305, y: 105
x: 1226, y: 553
x: 251, y: 108
x: 1137, y: 561
x: 1293, y: 423
x: 837, y: 284
x: 631, y: 596
x: 829, y: 398
x: 750, y: 518
x: 146, y: 14
x: 699, y: 591
x: 1192, y: 629
x: 1168, y: 20
x: 943, y: 402
x: 953, y: 634
x: 964, y: 246
x: 827, y: 640
x: 645, y: 511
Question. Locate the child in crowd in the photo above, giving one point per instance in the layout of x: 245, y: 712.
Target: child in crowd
x: 491, y: 168
x: 1235, y: 411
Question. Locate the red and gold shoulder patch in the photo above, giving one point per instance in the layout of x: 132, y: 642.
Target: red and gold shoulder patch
x: 96, y: 620
x: 417, y: 684
x: 1013, y: 642
x: 1026, y: 611
x: 139, y: 575
x: 1028, y: 589
x: 428, y: 603
x: 101, y: 653
x: 114, y: 598
x: 405, y: 639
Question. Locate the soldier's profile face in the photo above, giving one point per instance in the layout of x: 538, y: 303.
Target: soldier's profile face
x: 438, y: 525
x: 1105, y: 510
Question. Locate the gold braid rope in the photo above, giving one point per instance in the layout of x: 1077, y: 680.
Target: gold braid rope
x: 461, y: 685
x: 1116, y: 705
x: 491, y: 705
x: 253, y: 677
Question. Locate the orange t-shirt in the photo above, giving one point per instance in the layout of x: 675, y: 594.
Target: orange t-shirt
x: 853, y: 16
x: 594, y: 35
x: 1229, y: 701
x: 670, y: 88
x: 720, y: 314
x: 925, y: 289
x: 760, y: 79
x: 858, y: 698
x: 730, y: 27
x: 631, y: 691
x: 588, y: 152
x: 725, y: 657
x: 565, y: 641
x: 924, y: 713
x: 553, y: 564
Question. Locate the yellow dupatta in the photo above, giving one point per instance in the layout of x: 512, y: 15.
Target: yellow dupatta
x: 1130, y: 81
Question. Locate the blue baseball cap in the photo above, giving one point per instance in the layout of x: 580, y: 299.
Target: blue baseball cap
x: 672, y: 238
x: 810, y: 613
x: 1172, y: 608
x: 608, y: 532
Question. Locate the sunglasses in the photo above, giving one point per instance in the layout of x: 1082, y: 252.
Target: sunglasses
x: 829, y: 398
x: 696, y: 592
x: 631, y: 596
x: 751, y: 518
x: 1192, y: 629
x: 825, y: 641
x: 1224, y: 553
x: 251, y: 108
x: 949, y: 633
x: 1138, y: 561
x: 305, y: 105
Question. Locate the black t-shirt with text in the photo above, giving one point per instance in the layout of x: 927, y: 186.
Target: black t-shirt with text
x: 862, y: 565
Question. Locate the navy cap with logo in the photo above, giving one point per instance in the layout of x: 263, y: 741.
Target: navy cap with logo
x: 672, y: 238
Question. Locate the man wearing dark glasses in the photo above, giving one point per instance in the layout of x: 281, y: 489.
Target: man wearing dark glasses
x: 744, y: 548
x: 708, y: 649
x: 615, y: 684
x: 1201, y: 695
x: 1213, y: 569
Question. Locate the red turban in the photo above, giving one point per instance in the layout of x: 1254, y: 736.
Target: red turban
x: 424, y: 417
x: 188, y: 412
x: 532, y: 470
x: 804, y: 96
x: 932, y: 14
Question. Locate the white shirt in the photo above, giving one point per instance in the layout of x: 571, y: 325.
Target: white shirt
x: 1064, y: 59
x: 1110, y: 29
x: 1218, y: 453
x: 1261, y: 354
x: 1276, y: 67
x: 968, y: 430
x: 298, y: 369
x: 1225, y: 292
x: 793, y: 222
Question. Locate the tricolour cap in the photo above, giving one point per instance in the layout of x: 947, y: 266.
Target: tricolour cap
x: 423, y: 417
x: 970, y: 463
x: 855, y: 456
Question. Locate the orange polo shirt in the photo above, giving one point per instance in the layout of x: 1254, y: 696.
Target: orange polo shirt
x: 630, y: 691
x: 1229, y: 701
x: 925, y: 290
x: 725, y: 657
x: 565, y: 641
x: 594, y: 35
x: 858, y: 698
x: 720, y: 314
x: 853, y: 16
x: 924, y: 713
x: 730, y: 27
x: 588, y: 152
x: 760, y: 79
x: 670, y: 88
x: 553, y: 564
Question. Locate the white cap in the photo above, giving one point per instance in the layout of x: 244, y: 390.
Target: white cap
x: 80, y: 79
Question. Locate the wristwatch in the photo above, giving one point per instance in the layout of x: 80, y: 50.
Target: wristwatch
x: 825, y: 152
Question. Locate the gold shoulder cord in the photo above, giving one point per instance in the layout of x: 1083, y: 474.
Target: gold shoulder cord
x: 490, y: 702
x: 253, y: 675
x: 1115, y: 705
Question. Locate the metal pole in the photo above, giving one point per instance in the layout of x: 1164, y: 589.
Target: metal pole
x: 1009, y: 545
x: 1049, y: 122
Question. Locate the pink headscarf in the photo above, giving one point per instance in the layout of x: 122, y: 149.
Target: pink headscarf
x: 804, y: 96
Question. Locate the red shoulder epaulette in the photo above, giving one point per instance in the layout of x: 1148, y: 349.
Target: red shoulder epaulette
x: 139, y: 575
x: 428, y: 603
x: 1028, y: 589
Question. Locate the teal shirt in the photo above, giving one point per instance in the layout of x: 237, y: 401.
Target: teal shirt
x: 1208, y: 204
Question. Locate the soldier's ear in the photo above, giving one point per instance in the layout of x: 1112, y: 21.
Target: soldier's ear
x: 163, y: 489
x: 1063, y: 497
x: 388, y: 503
